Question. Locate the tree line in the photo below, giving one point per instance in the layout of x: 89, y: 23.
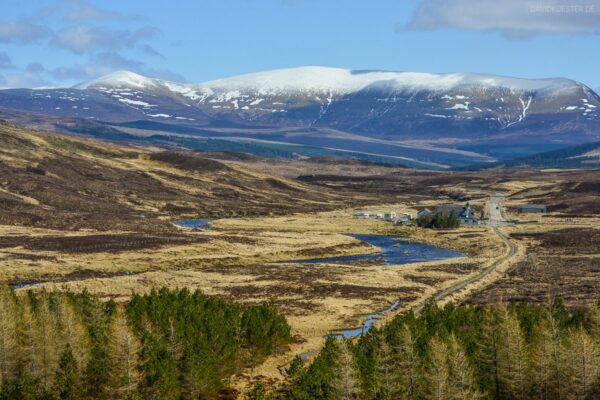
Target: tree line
x: 167, y: 344
x: 439, y: 221
x: 513, y: 352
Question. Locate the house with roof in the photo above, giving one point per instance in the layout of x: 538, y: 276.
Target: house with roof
x: 404, y: 219
x: 424, y: 213
x: 532, y: 209
x: 465, y: 214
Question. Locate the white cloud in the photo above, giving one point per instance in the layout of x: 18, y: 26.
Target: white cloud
x: 83, y: 38
x: 512, y: 18
x: 106, y: 62
x: 22, y: 32
x: 85, y: 11
x: 28, y: 78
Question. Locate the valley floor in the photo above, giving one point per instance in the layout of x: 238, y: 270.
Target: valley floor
x: 103, y: 221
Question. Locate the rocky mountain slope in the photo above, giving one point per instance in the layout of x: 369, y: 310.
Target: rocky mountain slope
x: 479, y: 117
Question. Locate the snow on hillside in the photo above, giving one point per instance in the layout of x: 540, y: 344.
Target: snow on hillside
x: 344, y: 81
x: 332, y: 80
x: 121, y: 78
x: 457, y: 96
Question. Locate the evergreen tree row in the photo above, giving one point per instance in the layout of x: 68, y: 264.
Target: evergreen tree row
x: 514, y: 352
x: 439, y: 221
x: 168, y: 344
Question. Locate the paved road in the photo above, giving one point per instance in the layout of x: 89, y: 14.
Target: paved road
x: 496, y: 219
x: 494, y: 211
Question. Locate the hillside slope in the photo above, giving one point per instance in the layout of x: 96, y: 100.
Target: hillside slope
x: 63, y: 182
x: 583, y: 156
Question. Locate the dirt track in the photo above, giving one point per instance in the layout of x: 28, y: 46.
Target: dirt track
x: 496, y: 219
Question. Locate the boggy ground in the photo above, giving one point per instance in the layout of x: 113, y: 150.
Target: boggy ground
x: 316, y: 298
x: 72, y: 184
x: 563, y: 260
x: 81, y: 214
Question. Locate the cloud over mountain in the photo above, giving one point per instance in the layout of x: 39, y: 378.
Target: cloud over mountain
x: 83, y: 38
x: 512, y: 18
x: 22, y: 32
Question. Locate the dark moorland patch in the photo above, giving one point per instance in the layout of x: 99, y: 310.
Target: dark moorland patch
x: 562, y: 263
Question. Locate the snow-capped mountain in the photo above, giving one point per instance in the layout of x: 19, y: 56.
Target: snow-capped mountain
x: 314, y: 95
x: 462, y: 111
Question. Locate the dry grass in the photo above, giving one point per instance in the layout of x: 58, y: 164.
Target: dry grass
x: 236, y: 262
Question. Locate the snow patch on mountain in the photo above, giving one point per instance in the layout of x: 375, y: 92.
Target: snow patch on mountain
x: 344, y: 81
x: 121, y: 78
x: 136, y: 103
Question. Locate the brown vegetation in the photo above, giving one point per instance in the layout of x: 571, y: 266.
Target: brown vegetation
x: 61, y: 182
x: 561, y: 263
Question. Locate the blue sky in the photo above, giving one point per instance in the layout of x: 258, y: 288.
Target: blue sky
x: 62, y: 42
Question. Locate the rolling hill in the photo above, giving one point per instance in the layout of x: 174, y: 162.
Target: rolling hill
x: 583, y: 156
x: 64, y: 182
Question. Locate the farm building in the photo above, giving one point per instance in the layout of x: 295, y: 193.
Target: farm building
x: 389, y: 216
x: 532, y: 209
x: 423, y: 213
x: 361, y: 215
x: 465, y: 214
x: 404, y: 219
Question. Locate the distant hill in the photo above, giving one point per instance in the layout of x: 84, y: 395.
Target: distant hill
x: 66, y: 182
x: 583, y: 156
x: 428, y: 120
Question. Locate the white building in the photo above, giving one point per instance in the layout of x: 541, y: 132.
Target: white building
x: 361, y: 215
x: 389, y: 216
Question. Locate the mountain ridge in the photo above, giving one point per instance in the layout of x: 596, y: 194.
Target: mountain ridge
x: 375, y: 112
x: 311, y: 77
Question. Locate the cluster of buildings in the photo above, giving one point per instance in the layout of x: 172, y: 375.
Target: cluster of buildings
x: 465, y: 215
x: 391, y: 216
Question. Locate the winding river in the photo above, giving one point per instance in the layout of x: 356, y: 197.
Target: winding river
x: 393, y: 251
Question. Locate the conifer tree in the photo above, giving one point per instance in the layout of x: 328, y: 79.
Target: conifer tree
x: 24, y: 387
x: 95, y: 317
x: 45, y: 344
x: 258, y: 392
x: 407, y: 365
x: 73, y: 332
x: 541, y: 362
x: 488, y: 352
x: 547, y: 369
x: 161, y: 372
x: 123, y: 354
x: 462, y: 384
x: 582, y: 358
x: 173, y: 342
x: 512, y: 363
x: 27, y: 338
x: 437, y: 374
x: 347, y: 374
x: 9, y: 349
x: 295, y: 368
x: 386, y: 384
x: 67, y: 385
x: 555, y: 335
